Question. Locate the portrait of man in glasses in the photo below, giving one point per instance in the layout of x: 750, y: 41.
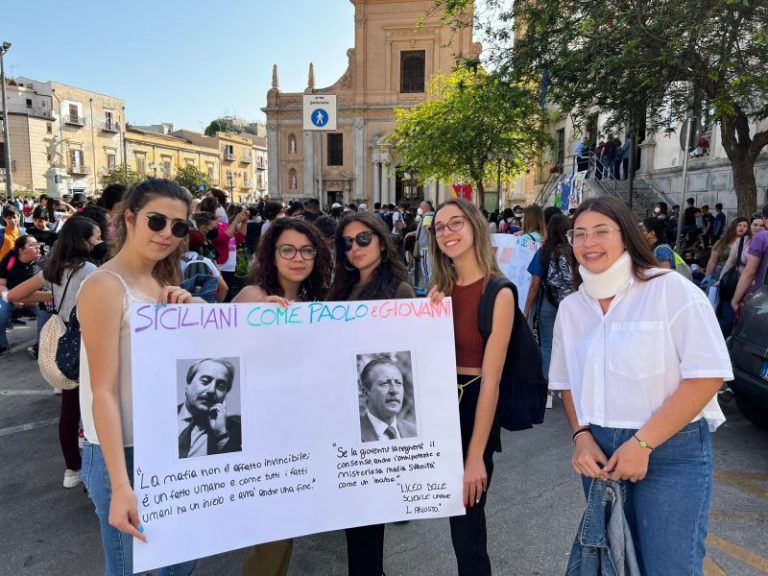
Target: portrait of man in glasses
x: 206, y: 425
x: 386, y: 400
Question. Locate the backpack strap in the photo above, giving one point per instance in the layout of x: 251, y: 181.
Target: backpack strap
x: 488, y: 301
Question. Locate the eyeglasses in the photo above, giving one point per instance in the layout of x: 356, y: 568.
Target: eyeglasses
x: 599, y: 235
x: 35, y: 245
x: 454, y: 225
x: 158, y: 222
x: 288, y: 252
x: 363, y: 239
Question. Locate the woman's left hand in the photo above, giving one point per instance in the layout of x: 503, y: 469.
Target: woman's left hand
x: 629, y: 462
x: 175, y: 295
x: 475, y: 481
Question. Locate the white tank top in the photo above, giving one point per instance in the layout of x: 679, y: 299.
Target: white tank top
x: 124, y: 369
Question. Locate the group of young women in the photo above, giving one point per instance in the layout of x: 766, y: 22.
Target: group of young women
x: 630, y: 420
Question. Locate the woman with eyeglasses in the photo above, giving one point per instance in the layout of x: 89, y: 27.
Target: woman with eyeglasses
x: 639, y: 357
x: 150, y: 228
x: 463, y: 262
x: 72, y: 261
x: 293, y: 264
x: 368, y: 267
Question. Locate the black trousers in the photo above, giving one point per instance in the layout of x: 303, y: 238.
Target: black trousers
x: 365, y: 550
x: 469, y: 535
x: 69, y: 427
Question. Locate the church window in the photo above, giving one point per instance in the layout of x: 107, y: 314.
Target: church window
x: 412, y: 71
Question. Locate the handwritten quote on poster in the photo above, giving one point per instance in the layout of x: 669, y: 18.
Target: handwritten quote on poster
x: 254, y: 423
x: 514, y: 254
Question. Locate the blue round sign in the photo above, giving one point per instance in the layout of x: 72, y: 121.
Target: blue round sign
x: 319, y: 117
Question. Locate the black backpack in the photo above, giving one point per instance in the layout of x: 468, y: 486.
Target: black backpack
x: 522, y: 389
x: 198, y: 280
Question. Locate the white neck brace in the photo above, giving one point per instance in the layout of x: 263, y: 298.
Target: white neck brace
x: 607, y: 284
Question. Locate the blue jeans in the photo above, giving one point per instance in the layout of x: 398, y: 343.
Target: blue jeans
x: 668, y: 511
x: 117, y: 546
x: 547, y: 314
x: 6, y: 313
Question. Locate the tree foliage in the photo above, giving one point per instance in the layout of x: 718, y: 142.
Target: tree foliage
x: 121, y: 174
x: 646, y: 61
x: 190, y: 177
x: 469, y: 119
x: 215, y: 126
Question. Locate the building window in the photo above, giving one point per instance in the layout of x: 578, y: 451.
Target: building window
x: 335, y: 149
x: 412, y: 71
x: 229, y: 152
x: 49, y: 128
x: 210, y: 173
x: 76, y: 158
x: 292, y: 144
x: 165, y: 167
x: 73, y: 112
x: 29, y: 102
x: 111, y: 160
x: 293, y: 183
x: 141, y: 165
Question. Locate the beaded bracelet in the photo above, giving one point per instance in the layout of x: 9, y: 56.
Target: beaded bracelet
x: 580, y: 432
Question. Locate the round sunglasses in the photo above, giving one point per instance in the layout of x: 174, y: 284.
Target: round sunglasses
x: 363, y: 239
x: 158, y: 222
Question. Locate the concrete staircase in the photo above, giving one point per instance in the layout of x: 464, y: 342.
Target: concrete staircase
x: 644, y: 196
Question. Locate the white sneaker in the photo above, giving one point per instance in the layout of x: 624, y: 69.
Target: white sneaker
x: 71, y: 478
x: 549, y: 399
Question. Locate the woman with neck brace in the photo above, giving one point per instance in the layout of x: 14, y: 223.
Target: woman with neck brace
x: 639, y: 357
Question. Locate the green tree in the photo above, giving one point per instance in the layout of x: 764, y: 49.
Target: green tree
x: 470, y: 119
x: 646, y: 62
x: 191, y: 178
x: 217, y: 125
x: 121, y: 174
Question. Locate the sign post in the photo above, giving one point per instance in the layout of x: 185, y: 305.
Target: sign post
x: 319, y: 116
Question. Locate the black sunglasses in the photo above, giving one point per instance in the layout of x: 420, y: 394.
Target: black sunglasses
x: 363, y: 239
x: 158, y: 222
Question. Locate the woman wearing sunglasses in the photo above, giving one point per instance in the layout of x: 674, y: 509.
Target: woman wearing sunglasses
x: 293, y: 264
x: 463, y: 261
x: 150, y: 229
x: 639, y: 356
x: 368, y: 267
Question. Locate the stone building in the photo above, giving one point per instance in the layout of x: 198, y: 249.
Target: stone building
x: 87, y: 125
x: 158, y: 153
x: 399, y: 46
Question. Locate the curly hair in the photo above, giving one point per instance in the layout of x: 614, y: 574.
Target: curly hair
x: 264, y: 271
x: 389, y: 274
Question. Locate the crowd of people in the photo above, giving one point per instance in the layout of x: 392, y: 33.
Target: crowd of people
x: 603, y: 294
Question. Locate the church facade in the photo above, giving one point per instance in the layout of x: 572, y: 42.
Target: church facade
x: 399, y: 46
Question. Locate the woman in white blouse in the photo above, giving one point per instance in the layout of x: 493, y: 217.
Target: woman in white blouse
x: 639, y: 357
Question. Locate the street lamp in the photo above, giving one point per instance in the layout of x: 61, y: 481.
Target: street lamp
x: 8, y: 179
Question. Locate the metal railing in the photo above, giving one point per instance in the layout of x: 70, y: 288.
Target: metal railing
x: 246, y: 157
x: 74, y: 120
x: 229, y: 155
x: 79, y: 169
x: 110, y: 126
x: 547, y: 189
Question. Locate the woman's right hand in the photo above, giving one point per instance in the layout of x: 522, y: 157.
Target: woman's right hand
x: 435, y: 296
x: 279, y: 300
x: 588, y: 459
x: 123, y: 512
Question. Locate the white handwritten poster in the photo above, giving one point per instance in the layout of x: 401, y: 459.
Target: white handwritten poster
x: 514, y: 254
x: 254, y: 423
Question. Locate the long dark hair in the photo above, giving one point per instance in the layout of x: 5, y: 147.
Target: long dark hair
x: 557, y: 239
x: 264, y: 272
x: 167, y: 271
x: 71, y: 249
x: 387, y: 276
x: 634, y: 242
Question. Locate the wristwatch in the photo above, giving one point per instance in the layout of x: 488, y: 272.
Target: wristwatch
x: 643, y: 443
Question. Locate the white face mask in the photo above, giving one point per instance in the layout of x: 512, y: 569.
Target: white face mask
x: 607, y: 284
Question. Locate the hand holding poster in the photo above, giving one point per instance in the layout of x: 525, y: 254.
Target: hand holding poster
x: 284, y: 422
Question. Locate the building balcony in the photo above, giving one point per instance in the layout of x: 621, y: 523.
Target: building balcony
x: 74, y: 120
x: 79, y: 170
x: 246, y: 158
x: 229, y: 156
x: 110, y: 126
x: 41, y: 112
x: 260, y: 164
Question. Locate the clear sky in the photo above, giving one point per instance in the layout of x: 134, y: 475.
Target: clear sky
x: 180, y: 61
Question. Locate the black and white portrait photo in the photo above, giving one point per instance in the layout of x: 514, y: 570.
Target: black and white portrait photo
x: 386, y: 398
x: 208, y: 406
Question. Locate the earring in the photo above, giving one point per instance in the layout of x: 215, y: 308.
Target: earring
x: 348, y: 269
